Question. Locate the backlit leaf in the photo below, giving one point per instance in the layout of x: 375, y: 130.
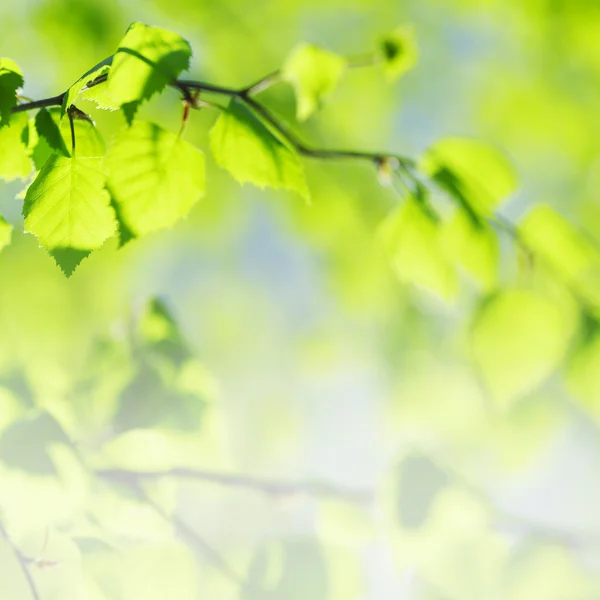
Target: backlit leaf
x: 57, y: 133
x: 565, y: 249
x: 399, y: 50
x: 314, y: 73
x: 518, y: 340
x: 154, y: 177
x: 148, y: 58
x: 412, y: 240
x: 245, y: 147
x: 14, y: 159
x: 477, y: 175
x: 68, y: 209
x: 102, y: 68
x: 473, y: 246
x: 5, y: 233
x: 11, y: 79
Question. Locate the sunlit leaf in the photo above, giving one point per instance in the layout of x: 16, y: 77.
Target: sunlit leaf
x: 102, y: 68
x: 473, y: 246
x: 68, y: 209
x: 518, y: 340
x: 412, y: 240
x: 11, y: 79
x: 5, y: 233
x: 314, y: 73
x: 47, y: 123
x: 154, y: 177
x: 14, y: 159
x: 147, y: 59
x: 558, y: 244
x: 583, y: 367
x: 477, y: 175
x: 399, y: 50
x: 245, y: 147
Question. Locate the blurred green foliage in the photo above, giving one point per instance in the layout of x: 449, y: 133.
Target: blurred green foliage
x: 363, y: 396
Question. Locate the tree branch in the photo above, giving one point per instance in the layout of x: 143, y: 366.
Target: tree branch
x: 269, y: 487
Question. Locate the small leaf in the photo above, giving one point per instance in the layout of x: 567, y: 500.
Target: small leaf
x: 518, y: 340
x: 473, y: 246
x: 559, y: 244
x: 154, y: 177
x: 314, y: 73
x: 400, y: 51
x: 477, y: 175
x: 11, y: 79
x: 68, y: 209
x: 102, y: 68
x: 14, y: 159
x: 148, y: 58
x: 5, y: 233
x: 412, y: 240
x: 244, y: 146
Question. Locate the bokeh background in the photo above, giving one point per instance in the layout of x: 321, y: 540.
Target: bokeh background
x: 292, y: 354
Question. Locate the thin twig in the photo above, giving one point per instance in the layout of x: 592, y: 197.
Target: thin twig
x: 23, y: 562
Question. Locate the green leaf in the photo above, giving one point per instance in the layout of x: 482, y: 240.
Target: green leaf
x: 314, y: 73
x: 148, y: 58
x: 57, y: 133
x: 518, y: 340
x: 412, y: 239
x: 400, y: 52
x: 560, y: 245
x: 11, y: 79
x: 47, y: 124
x: 154, y: 177
x: 477, y: 175
x: 68, y: 209
x: 88, y: 141
x: 244, y: 146
x: 14, y: 159
x: 102, y: 68
x: 5, y: 233
x: 473, y: 246
x: 584, y: 364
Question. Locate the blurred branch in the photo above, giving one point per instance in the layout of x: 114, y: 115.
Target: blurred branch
x: 273, y: 488
x: 23, y: 562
